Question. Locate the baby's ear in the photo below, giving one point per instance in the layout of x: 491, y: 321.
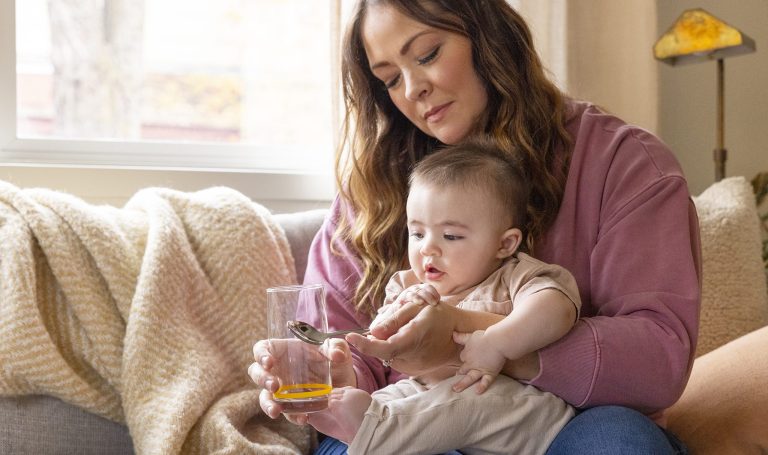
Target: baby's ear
x: 510, y: 241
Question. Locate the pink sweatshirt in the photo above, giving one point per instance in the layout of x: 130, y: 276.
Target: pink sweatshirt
x: 628, y: 232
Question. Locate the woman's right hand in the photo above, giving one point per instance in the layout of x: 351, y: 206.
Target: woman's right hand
x: 418, y: 295
x: 414, y: 339
x: 260, y: 371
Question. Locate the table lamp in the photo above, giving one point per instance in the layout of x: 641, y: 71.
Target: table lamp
x: 697, y: 36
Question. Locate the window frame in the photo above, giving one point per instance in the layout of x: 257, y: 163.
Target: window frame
x: 262, y: 173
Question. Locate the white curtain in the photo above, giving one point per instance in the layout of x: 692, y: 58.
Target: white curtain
x: 600, y: 51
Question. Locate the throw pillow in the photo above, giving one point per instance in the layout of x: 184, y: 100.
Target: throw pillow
x: 734, y: 297
x: 760, y: 187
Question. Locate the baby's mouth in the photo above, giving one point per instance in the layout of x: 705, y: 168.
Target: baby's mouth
x: 432, y: 272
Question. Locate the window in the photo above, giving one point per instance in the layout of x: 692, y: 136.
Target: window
x: 230, y: 85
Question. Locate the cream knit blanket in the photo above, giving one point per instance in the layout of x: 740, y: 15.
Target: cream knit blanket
x: 145, y: 314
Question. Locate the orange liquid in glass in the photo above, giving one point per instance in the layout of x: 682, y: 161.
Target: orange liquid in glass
x: 303, y: 397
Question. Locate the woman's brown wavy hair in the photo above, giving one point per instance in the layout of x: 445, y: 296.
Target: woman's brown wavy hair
x: 526, y: 113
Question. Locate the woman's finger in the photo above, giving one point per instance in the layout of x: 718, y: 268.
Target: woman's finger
x: 270, y: 407
x: 461, y: 337
x: 336, y: 349
x: 258, y: 375
x: 382, y: 349
x: 390, y: 325
x: 260, y: 349
x: 261, y: 376
x: 260, y: 369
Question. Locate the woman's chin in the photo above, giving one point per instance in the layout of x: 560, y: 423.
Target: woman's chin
x: 450, y: 138
x: 448, y: 135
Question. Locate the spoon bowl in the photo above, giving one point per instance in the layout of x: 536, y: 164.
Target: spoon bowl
x: 309, y: 334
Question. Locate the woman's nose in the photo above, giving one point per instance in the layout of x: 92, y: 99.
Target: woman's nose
x: 416, y: 85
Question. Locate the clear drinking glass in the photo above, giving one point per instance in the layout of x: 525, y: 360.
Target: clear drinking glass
x: 303, y: 372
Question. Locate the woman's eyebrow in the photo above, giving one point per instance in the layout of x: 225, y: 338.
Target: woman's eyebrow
x: 403, y: 50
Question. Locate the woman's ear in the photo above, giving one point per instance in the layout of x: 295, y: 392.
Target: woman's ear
x: 510, y: 241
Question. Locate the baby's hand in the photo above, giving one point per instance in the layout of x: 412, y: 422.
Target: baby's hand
x: 482, y: 363
x: 420, y: 294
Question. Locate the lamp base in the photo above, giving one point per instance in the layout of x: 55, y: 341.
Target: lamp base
x: 720, y: 155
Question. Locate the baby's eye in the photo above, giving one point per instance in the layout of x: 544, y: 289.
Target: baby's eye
x: 429, y: 57
x: 452, y: 237
x: 417, y: 235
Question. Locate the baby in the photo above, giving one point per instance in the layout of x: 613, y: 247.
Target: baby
x: 466, y: 214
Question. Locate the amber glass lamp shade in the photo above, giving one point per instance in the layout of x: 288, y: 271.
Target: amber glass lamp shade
x: 699, y: 36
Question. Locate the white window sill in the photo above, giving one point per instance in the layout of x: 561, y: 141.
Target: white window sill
x: 279, y: 191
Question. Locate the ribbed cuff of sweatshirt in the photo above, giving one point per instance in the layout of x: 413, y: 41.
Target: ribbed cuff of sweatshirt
x: 579, y: 354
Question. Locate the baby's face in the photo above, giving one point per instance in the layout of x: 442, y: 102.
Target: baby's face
x: 454, y: 236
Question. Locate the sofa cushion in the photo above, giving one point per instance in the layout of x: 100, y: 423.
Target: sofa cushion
x: 41, y: 424
x: 734, y: 300
x: 300, y: 228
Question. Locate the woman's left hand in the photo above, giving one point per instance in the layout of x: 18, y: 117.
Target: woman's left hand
x: 415, y: 339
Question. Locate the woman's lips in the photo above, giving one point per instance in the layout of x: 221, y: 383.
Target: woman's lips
x: 436, y: 113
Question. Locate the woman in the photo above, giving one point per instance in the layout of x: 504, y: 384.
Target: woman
x: 608, y: 202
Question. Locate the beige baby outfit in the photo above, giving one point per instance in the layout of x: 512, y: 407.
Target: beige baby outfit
x: 423, y: 415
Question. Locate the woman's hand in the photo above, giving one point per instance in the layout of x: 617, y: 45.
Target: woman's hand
x: 415, y: 339
x: 419, y: 294
x: 260, y: 371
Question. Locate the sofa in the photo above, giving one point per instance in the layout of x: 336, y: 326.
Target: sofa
x: 724, y: 409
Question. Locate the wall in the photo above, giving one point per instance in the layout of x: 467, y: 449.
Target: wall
x: 687, y: 97
x: 609, y: 58
x: 598, y: 50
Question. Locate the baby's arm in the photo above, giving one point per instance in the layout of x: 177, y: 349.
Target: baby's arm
x: 535, y: 321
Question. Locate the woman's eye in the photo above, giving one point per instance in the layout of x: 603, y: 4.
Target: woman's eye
x: 428, y: 58
x: 417, y: 235
x: 392, y: 82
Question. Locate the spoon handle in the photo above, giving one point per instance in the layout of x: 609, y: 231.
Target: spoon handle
x: 339, y: 333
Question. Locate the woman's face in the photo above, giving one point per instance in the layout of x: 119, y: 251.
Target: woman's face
x: 428, y: 73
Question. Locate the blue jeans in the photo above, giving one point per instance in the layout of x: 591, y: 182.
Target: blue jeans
x: 595, y: 431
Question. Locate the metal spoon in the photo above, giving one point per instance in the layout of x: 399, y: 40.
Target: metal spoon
x: 308, y: 334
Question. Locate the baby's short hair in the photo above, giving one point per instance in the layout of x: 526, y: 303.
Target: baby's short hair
x: 479, y: 163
